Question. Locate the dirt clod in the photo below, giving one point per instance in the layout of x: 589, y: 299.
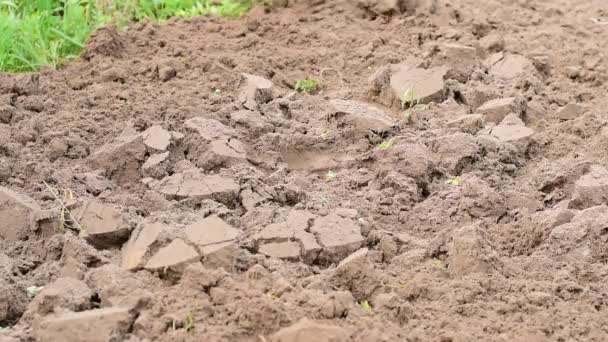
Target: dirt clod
x: 108, y: 324
x: 496, y: 110
x: 103, y: 226
x: 306, y: 330
x: 172, y: 257
x: 18, y: 215
x: 256, y: 91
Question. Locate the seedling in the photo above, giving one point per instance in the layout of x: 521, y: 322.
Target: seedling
x: 386, y: 144
x: 33, y: 291
x: 217, y: 92
x: 409, y: 99
x: 440, y: 264
x: 454, y: 181
x: 65, y: 213
x: 307, y: 85
x: 326, y: 134
x: 365, y: 306
x: 330, y: 175
x: 189, y: 322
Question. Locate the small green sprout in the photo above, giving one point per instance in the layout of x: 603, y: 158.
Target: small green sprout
x: 439, y: 264
x: 326, y: 134
x: 217, y: 92
x: 454, y: 181
x: 330, y: 175
x: 408, y: 101
x: 365, y: 306
x: 386, y: 144
x: 189, y: 323
x: 307, y: 85
x: 33, y: 291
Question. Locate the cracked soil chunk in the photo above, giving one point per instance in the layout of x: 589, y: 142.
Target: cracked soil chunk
x: 17, y: 214
x: 103, y: 225
x: 196, y: 185
x: 338, y: 236
x: 99, y: 325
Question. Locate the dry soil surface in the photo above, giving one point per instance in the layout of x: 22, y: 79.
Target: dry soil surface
x: 170, y: 185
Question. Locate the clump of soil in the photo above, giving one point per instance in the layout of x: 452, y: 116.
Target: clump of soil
x: 447, y: 181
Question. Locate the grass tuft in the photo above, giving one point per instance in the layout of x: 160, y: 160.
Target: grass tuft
x: 308, y: 85
x: 48, y: 32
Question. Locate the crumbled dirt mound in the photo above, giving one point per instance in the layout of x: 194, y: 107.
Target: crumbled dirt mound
x: 208, y: 201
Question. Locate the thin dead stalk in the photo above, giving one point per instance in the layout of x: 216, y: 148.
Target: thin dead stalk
x: 64, y: 207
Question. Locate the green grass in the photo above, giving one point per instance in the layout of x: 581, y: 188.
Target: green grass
x: 47, y: 32
x: 307, y: 85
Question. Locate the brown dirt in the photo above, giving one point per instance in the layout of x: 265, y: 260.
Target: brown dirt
x: 216, y: 204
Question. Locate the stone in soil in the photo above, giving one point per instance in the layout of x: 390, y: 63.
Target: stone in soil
x: 281, y: 250
x: 156, y: 166
x: 18, y: 214
x: 256, y: 91
x: 357, y: 274
x: 455, y: 151
x: 424, y: 85
x: 208, y: 130
x: 510, y: 66
x: 384, y: 7
x: 103, y: 226
x: 13, y: 299
x: 94, y: 182
x: 516, y: 134
x: 222, y: 153
x: 175, y: 256
x: 468, y: 252
x: 338, y: 236
x: 139, y: 244
x: 100, y: 325
x: 121, y: 159
x: 461, y: 59
x: 591, y: 189
x: 63, y: 293
x: 361, y: 118
x: 570, y: 111
x: 583, y: 238
x: 251, y: 122
x: 294, y: 227
x: 196, y: 185
x: 470, y: 123
x: 211, y: 234
x: 116, y: 287
x: 157, y: 139
x: 211, y: 144
x: 306, y: 330
x: 496, y: 110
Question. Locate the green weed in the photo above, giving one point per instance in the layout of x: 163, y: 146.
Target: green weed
x: 308, y: 85
x: 365, y: 306
x: 187, y: 324
x: 386, y: 144
x: 48, y: 32
x: 33, y: 291
x: 409, y: 100
x: 454, y: 181
x: 330, y: 175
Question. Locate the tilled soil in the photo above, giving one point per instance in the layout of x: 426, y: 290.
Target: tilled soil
x: 447, y: 182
